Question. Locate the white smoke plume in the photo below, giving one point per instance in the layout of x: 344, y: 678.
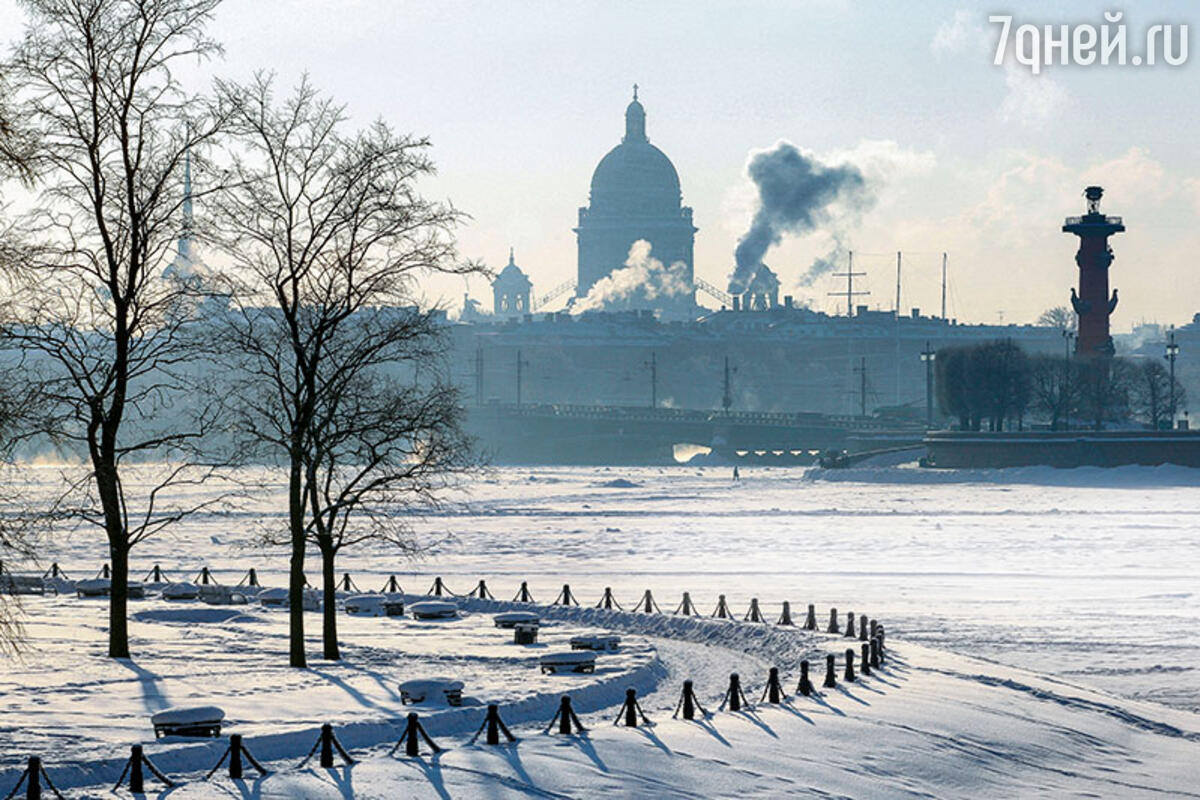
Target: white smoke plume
x: 643, y: 278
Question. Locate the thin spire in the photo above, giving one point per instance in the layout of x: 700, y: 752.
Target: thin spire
x: 635, y: 88
x: 511, y: 263
x: 184, y: 258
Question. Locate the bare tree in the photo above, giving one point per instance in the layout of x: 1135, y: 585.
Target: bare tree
x: 1104, y: 385
x: 103, y: 339
x: 1059, y: 317
x: 1054, y: 388
x: 1150, y: 392
x: 327, y: 232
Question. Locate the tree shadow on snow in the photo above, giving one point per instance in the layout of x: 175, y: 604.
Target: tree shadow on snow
x: 153, y: 698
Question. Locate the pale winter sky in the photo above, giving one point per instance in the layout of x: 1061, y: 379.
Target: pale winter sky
x: 522, y: 99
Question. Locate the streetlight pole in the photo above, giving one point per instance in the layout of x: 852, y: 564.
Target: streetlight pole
x: 653, y: 364
x: 1172, y: 353
x: 1068, y: 338
x: 928, y: 355
x: 520, y: 365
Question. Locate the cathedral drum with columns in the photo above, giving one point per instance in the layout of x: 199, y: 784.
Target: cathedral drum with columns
x: 635, y: 195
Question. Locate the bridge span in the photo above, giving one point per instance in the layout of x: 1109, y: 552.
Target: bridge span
x: 628, y: 435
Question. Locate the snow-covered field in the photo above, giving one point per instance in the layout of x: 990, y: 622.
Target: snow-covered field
x: 1084, y: 577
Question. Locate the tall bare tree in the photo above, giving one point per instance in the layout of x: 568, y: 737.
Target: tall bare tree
x: 1151, y: 392
x: 103, y: 338
x: 327, y: 233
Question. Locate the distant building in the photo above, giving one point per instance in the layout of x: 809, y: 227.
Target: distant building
x: 511, y: 290
x: 635, y: 195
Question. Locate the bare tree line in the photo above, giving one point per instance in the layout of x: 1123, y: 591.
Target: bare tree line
x: 308, y: 332
x: 997, y: 386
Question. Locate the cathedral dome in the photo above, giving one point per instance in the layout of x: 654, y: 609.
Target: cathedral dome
x: 635, y: 177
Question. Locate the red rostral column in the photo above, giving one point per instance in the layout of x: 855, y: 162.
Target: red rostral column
x: 1093, y: 304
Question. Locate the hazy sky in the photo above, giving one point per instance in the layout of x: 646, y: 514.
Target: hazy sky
x: 522, y: 99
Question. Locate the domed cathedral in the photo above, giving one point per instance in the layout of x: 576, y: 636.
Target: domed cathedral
x: 635, y: 195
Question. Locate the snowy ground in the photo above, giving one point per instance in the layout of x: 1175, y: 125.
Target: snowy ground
x: 1086, y: 577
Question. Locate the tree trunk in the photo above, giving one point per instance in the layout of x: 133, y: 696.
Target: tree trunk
x: 118, y: 601
x: 329, y: 595
x: 296, y: 657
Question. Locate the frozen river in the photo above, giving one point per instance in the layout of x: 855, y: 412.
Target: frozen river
x: 1089, y: 575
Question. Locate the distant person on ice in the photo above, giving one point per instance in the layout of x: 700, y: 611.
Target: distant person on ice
x: 736, y: 476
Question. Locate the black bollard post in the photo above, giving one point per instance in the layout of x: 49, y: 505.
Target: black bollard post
x: 439, y: 589
x: 326, y: 746
x: 862, y: 629
x: 523, y: 594
x: 689, y: 708
x: 786, y: 617
x: 566, y: 719
x: 33, y: 785
x: 105, y: 571
x: 235, y: 756
x: 411, y: 743
x: 608, y: 602
x: 722, y: 609
x: 494, y: 726
x: 250, y: 579
x: 804, y: 687
x: 850, y: 625
x: 773, y: 693
x: 647, y: 605
x: 156, y: 575
x: 631, y: 708
x: 206, y: 577
x: 830, y: 672
x: 833, y: 623
x: 137, y: 778
x: 565, y: 598
x: 850, y: 666
x: 753, y: 614
x: 866, y: 659
x: 735, y: 698
x: 810, y: 621
x: 876, y: 653
x: 481, y: 591
x: 686, y: 607
x: 565, y: 713
x: 347, y: 584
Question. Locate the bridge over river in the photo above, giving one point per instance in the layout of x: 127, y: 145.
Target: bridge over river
x: 579, y: 434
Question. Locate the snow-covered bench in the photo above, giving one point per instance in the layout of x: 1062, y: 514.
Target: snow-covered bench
x: 217, y: 595
x: 278, y: 598
x: 376, y: 605
x: 422, y: 689
x: 573, y: 661
x: 433, y: 609
x: 93, y: 587
x: 180, y: 591
x: 510, y: 619
x: 188, y: 721
x: 21, y: 584
x: 605, y: 642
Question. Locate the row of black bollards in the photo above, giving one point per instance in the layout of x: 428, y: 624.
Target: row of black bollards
x: 861, y: 629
